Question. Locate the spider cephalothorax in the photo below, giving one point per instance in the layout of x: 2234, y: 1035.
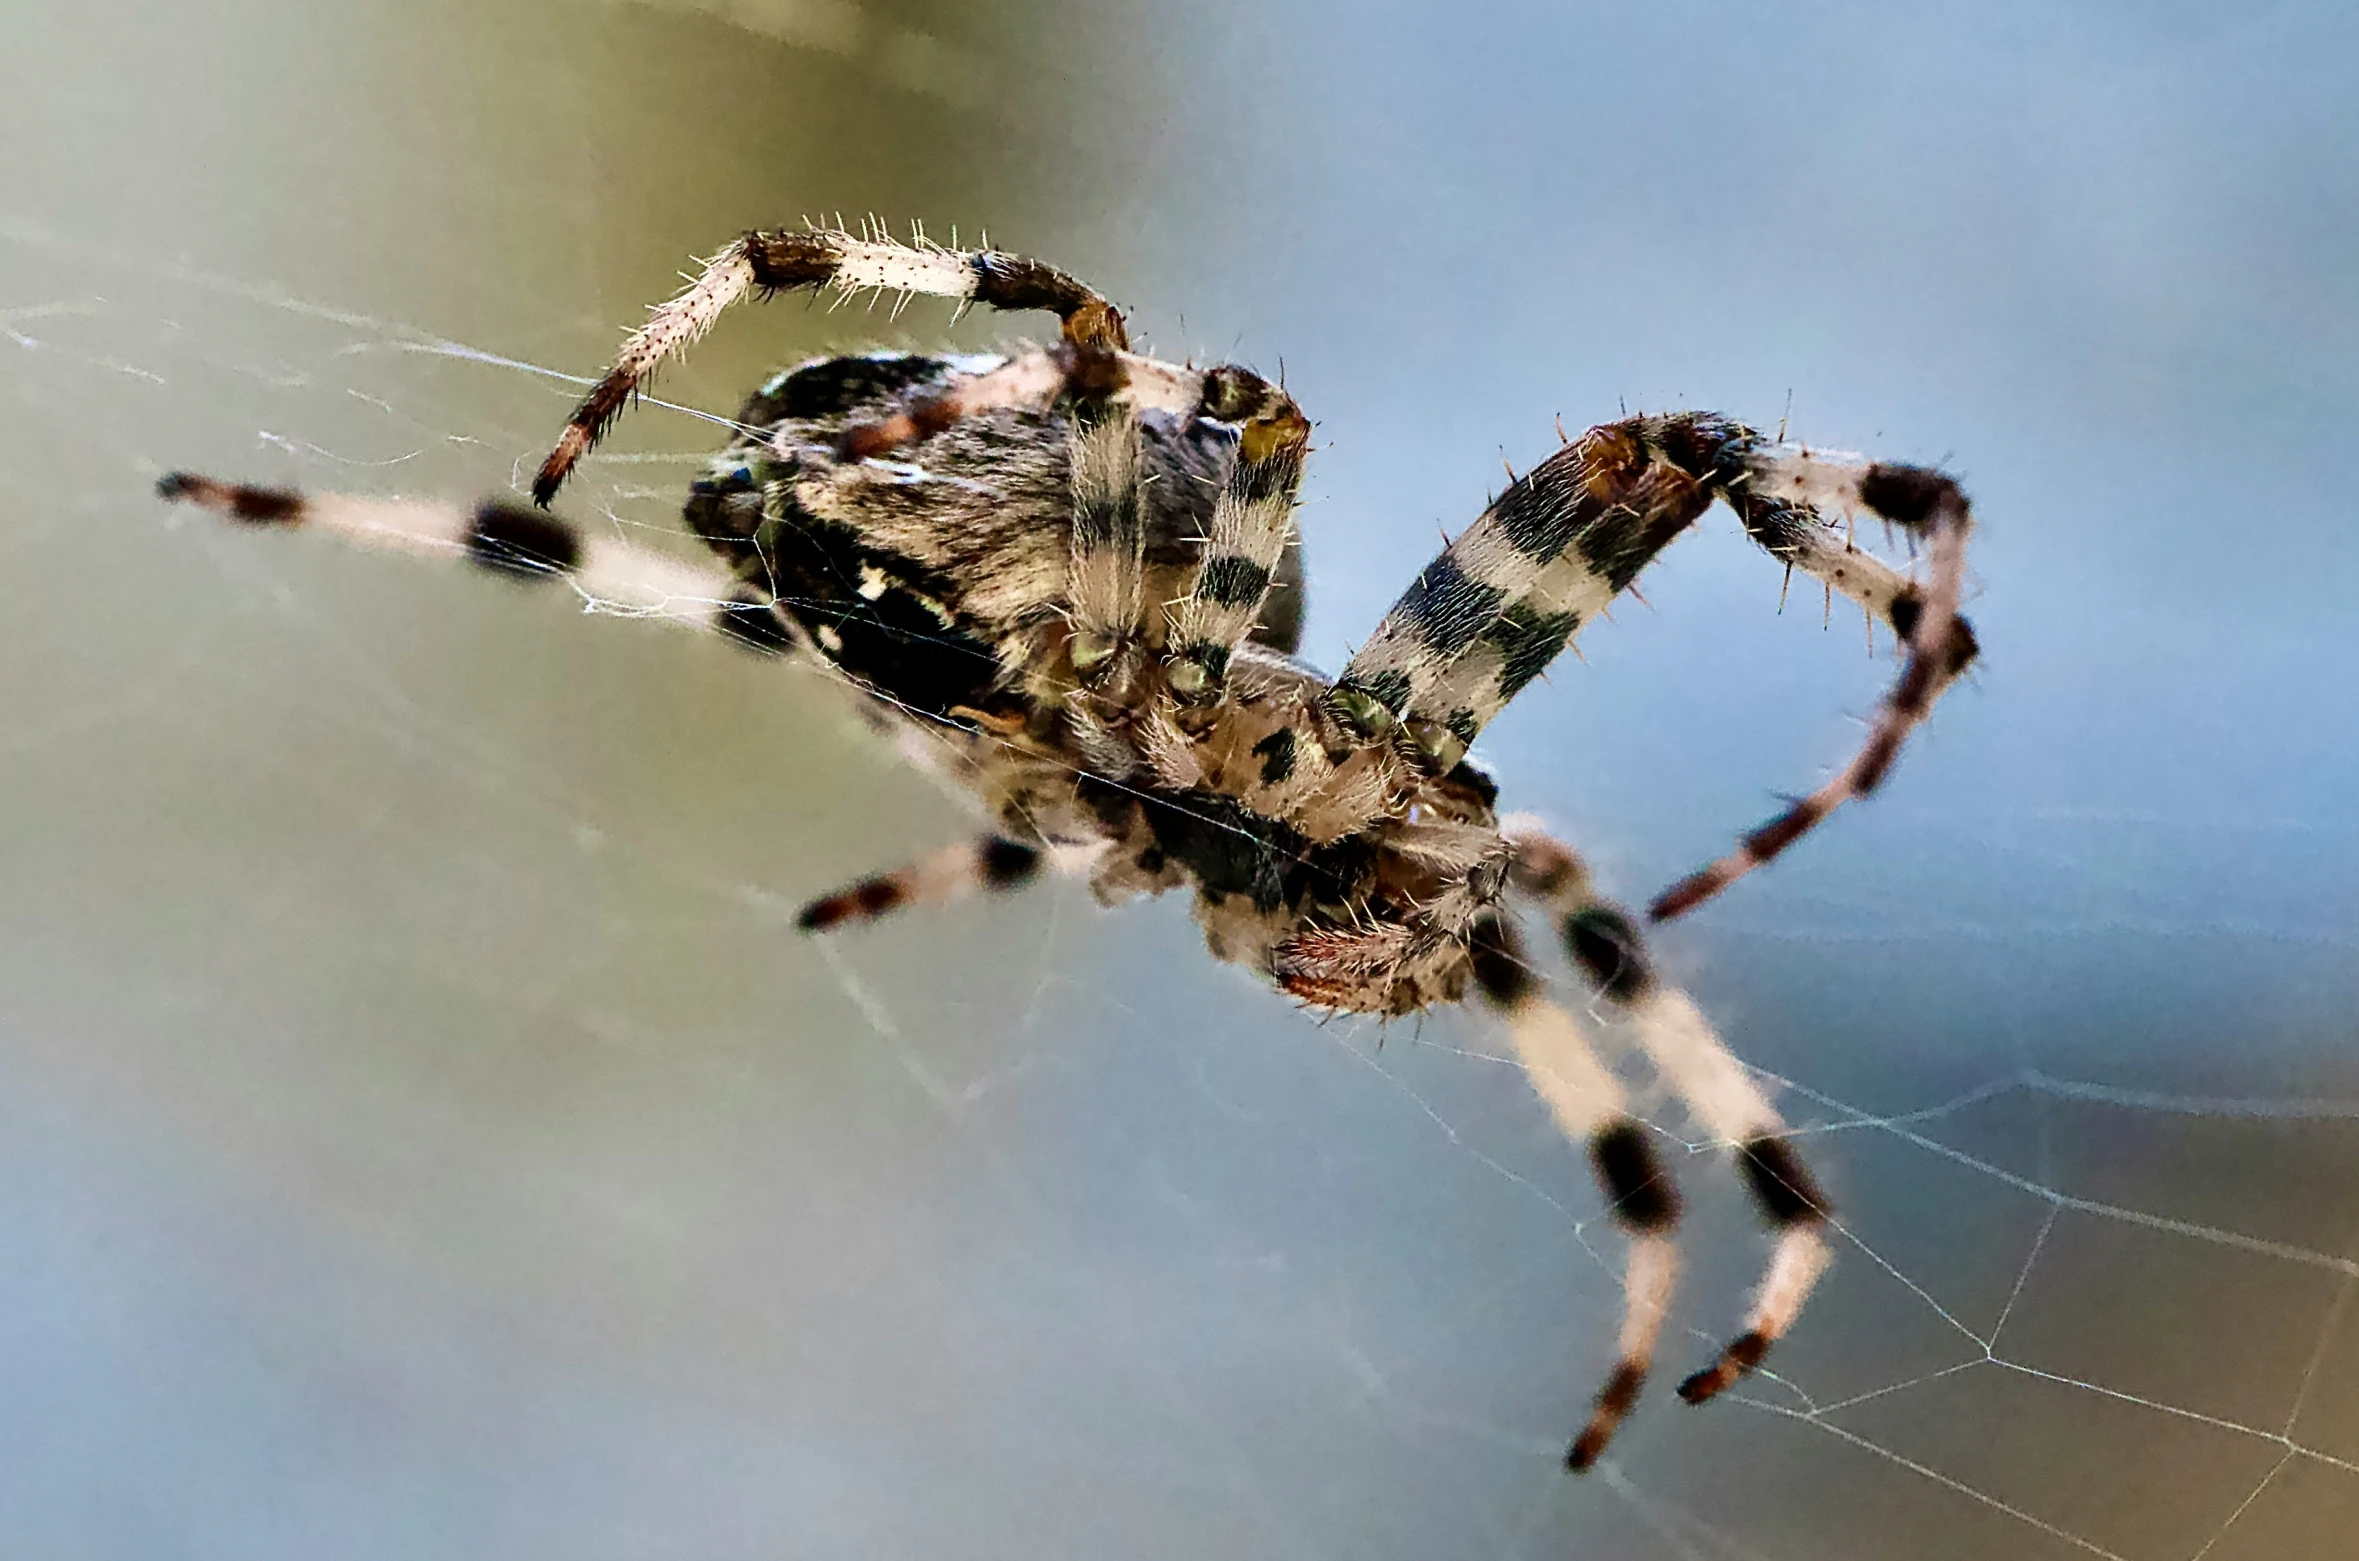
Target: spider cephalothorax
x: 1068, y: 578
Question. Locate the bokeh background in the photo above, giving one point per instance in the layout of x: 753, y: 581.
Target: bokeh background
x: 422, y: 1132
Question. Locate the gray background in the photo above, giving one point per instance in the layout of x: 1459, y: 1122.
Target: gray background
x: 422, y: 1132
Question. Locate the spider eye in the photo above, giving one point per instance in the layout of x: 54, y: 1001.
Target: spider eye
x: 1090, y: 651
x: 1189, y: 678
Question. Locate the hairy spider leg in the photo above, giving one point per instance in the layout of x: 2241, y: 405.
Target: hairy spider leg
x: 1031, y: 381
x: 1589, y: 1106
x: 1487, y: 616
x: 788, y: 259
x: 1252, y: 517
x: 1552, y: 552
x: 1697, y: 1065
x: 994, y: 863
x: 1252, y: 521
x: 1790, y: 487
x: 522, y: 544
x: 1105, y: 573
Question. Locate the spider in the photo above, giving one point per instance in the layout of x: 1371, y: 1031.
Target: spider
x: 1068, y: 577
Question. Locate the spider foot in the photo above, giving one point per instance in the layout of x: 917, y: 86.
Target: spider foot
x: 1614, y: 1402
x: 1734, y: 1363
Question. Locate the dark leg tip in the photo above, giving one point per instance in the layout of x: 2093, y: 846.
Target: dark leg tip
x: 1683, y: 896
x: 1963, y: 646
x: 1615, y: 1401
x: 261, y: 506
x: 820, y: 915
x: 571, y: 446
x: 1705, y: 1385
x: 1734, y: 1362
x: 864, y: 901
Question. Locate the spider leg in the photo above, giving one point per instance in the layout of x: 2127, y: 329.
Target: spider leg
x: 1681, y: 1044
x: 787, y: 259
x: 1252, y: 521
x: 1509, y: 593
x: 521, y: 543
x: 1106, y: 571
x: 1485, y: 618
x: 1588, y: 1104
x: 1252, y: 517
x: 993, y: 863
x: 1033, y: 381
x: 1780, y: 506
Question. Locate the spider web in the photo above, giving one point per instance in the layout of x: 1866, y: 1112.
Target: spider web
x: 426, y: 1132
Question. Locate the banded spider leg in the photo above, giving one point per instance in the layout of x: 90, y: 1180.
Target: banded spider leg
x: 1590, y: 1108
x: 522, y: 544
x: 789, y: 259
x: 1553, y: 551
x: 1690, y: 1057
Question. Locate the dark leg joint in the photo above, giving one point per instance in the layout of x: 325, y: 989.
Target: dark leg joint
x: 866, y: 900
x: 1500, y: 971
x: 1012, y: 282
x: 1781, y: 1184
x: 524, y: 543
x: 1638, y: 1191
x: 1608, y: 949
x: 1006, y: 863
x: 1909, y: 495
x: 784, y: 260
x: 1782, y: 831
x: 1909, y: 606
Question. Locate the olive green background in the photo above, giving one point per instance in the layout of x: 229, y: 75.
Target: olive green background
x: 422, y: 1132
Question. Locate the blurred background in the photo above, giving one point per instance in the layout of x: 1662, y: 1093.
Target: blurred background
x: 422, y: 1132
